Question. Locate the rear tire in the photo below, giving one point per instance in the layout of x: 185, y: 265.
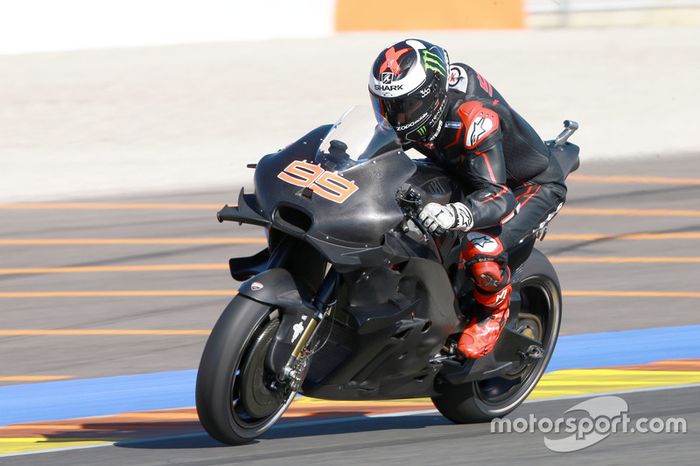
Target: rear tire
x: 484, y: 400
x: 235, y: 402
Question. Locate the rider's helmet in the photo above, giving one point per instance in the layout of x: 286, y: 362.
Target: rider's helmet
x: 408, y: 88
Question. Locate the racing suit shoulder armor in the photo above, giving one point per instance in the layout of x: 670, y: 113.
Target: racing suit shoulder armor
x: 479, y: 121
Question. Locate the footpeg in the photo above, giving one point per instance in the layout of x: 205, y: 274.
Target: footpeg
x: 532, y: 352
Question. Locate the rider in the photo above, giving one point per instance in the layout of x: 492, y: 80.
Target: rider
x: 456, y: 118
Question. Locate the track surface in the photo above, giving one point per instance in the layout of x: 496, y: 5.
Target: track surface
x: 413, y: 440
x: 417, y: 440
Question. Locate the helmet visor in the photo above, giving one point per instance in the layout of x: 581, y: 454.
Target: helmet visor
x: 399, y: 112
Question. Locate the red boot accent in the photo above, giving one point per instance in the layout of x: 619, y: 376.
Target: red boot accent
x: 484, y: 255
x: 480, y: 336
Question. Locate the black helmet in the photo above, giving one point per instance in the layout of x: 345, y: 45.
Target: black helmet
x: 408, y: 87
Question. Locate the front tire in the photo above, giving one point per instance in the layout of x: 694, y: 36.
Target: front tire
x: 540, y: 318
x: 235, y: 399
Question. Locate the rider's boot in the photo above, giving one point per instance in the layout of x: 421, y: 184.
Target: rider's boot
x: 484, y: 255
x: 482, y: 332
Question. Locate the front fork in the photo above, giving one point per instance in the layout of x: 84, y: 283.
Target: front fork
x: 324, y: 302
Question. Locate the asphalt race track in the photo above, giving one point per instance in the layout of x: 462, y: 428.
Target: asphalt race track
x: 121, y: 292
x: 415, y: 439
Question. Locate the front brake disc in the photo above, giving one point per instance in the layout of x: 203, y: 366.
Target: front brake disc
x: 257, y: 395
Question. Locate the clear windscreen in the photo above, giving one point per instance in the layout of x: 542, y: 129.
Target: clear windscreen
x: 356, y: 138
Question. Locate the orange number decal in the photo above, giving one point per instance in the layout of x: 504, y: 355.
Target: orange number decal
x: 326, y: 184
x: 300, y: 173
x: 334, y: 187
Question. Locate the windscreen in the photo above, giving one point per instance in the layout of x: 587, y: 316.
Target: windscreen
x: 356, y: 138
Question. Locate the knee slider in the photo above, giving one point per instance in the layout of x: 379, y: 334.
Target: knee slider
x: 490, y: 276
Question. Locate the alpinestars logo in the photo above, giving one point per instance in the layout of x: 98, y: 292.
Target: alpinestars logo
x: 482, y: 242
x: 433, y: 62
x: 480, y: 127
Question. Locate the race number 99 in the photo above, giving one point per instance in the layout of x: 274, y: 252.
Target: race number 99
x: 326, y: 184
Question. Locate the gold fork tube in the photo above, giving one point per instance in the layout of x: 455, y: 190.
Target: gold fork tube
x: 308, y: 331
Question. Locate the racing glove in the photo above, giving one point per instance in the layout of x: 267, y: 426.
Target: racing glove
x: 439, y: 218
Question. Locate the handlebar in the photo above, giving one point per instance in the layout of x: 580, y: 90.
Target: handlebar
x: 411, y: 203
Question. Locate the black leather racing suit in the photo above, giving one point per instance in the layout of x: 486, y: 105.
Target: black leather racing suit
x: 512, y: 184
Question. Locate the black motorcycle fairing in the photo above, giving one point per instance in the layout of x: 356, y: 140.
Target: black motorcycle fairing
x: 275, y: 287
x: 331, y: 227
x: 373, y: 206
x: 563, y: 160
x: 243, y: 268
x: 246, y: 211
x: 566, y: 155
x: 383, y: 350
x: 379, y: 286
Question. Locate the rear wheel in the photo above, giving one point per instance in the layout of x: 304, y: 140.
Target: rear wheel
x: 539, y: 318
x: 237, y: 398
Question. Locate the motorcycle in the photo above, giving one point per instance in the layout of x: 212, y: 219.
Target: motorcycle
x: 353, y: 299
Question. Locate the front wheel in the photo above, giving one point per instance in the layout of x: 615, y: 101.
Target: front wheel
x: 539, y: 318
x: 237, y: 398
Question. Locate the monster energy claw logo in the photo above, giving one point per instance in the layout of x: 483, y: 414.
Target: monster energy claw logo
x: 433, y: 61
x: 422, y: 130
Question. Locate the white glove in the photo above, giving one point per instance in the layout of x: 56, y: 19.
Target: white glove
x: 440, y: 218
